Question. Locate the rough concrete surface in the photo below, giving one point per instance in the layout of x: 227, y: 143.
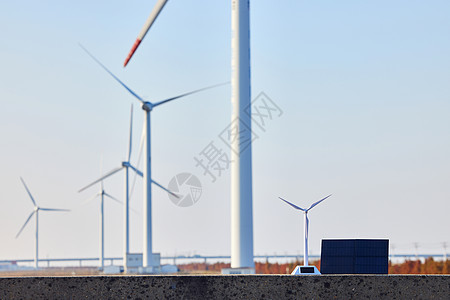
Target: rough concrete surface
x: 228, y: 287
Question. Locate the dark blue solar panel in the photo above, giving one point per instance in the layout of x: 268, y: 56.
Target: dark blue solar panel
x: 338, y: 261
x: 354, y: 256
x: 370, y: 260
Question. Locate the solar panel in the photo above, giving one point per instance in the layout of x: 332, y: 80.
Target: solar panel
x: 354, y: 256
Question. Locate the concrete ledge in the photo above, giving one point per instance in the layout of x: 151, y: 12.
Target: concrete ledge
x: 230, y: 287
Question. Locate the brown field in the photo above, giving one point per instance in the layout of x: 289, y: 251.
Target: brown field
x: 429, y: 266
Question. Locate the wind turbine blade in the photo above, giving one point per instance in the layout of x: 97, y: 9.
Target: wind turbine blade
x: 101, y: 178
x: 25, y: 224
x: 189, y: 93
x: 135, y: 211
x: 114, y: 76
x: 118, y: 201
x: 151, y: 18
x: 170, y: 192
x: 90, y: 199
x: 54, y: 209
x: 113, y: 198
x: 136, y: 170
x: 101, y: 170
x: 314, y: 204
x: 131, y: 134
x: 141, y: 146
x: 293, y: 205
x: 28, y: 191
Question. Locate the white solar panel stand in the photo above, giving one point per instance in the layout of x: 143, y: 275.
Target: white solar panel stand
x: 305, y: 270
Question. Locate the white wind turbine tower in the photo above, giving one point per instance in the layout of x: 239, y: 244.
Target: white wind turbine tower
x: 241, y: 154
x: 306, y: 231
x: 102, y: 195
x: 148, y: 106
x: 36, y: 210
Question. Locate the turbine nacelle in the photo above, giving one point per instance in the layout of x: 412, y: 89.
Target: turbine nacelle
x: 147, y: 106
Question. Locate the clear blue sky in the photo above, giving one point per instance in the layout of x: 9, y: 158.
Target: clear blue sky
x: 364, y: 89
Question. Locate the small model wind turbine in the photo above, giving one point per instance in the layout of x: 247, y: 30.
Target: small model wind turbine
x: 306, y: 269
x: 36, y: 210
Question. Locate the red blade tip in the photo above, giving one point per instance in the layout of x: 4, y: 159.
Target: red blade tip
x: 133, y: 49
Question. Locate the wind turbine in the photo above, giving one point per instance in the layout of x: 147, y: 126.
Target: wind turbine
x: 126, y: 165
x: 305, y: 213
x: 241, y: 154
x: 102, y: 195
x: 148, y: 106
x: 36, y: 210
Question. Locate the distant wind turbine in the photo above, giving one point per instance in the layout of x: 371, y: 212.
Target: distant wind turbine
x: 102, y: 195
x: 305, y: 212
x: 36, y: 210
x: 126, y: 165
x: 147, y: 106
